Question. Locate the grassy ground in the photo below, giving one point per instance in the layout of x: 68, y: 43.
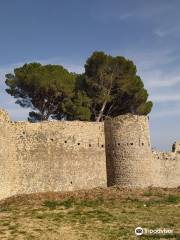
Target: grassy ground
x: 99, y: 214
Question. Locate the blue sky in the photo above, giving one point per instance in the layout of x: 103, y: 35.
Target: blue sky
x: 67, y: 31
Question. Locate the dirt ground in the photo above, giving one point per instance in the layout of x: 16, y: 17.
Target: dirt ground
x: 98, y: 214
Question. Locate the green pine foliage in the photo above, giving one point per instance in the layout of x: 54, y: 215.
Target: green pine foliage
x: 109, y: 87
x: 46, y: 89
x: 114, y: 87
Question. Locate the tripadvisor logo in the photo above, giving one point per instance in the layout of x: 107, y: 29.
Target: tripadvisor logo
x: 145, y: 231
x: 139, y: 231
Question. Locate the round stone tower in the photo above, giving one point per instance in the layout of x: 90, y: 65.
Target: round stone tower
x: 128, y: 151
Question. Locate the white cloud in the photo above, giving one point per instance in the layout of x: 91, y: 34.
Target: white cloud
x: 160, y: 79
x: 155, y: 59
x: 152, y: 66
x: 125, y: 16
x: 164, y: 32
x: 166, y: 97
x: 168, y: 112
x: 139, y: 10
x: 167, y: 28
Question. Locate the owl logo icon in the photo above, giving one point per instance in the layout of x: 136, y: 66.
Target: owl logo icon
x: 139, y: 231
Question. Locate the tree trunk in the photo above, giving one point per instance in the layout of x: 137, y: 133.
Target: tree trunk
x: 101, y: 112
x: 104, y: 104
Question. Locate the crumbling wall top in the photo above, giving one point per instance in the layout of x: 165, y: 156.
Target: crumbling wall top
x: 4, y: 116
x: 128, y: 117
x: 176, y: 147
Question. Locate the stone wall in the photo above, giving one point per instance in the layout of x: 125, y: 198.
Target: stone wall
x: 166, y: 169
x: 176, y: 148
x: 4, y: 117
x: 128, y: 151
x: 51, y: 156
x: 60, y: 155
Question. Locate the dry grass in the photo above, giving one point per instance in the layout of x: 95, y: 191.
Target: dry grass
x: 98, y: 214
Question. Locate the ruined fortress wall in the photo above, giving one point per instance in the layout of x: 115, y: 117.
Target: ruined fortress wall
x: 7, y: 149
x: 166, y: 169
x: 63, y: 155
x: 6, y: 152
x: 51, y: 156
x: 128, y: 151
